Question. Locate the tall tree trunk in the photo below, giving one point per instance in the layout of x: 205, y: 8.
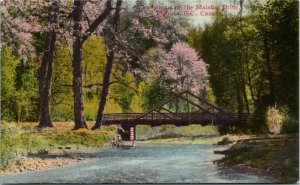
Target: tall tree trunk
x: 249, y: 82
x: 245, y: 97
x: 105, y: 88
x: 110, y: 55
x: 77, y: 66
x: 239, y: 98
x: 45, y: 76
x: 243, y: 62
x: 45, y: 71
x: 243, y: 87
x: 270, y: 75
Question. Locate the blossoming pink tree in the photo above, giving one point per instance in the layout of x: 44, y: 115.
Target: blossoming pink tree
x: 181, y: 68
x: 184, y: 69
x: 21, y: 21
x: 60, y: 22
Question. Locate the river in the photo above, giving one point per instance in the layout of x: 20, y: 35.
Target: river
x: 146, y: 163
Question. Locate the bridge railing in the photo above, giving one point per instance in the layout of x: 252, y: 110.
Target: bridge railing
x: 120, y: 116
x: 174, y: 116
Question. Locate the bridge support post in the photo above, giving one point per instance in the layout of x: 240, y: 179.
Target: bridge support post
x: 128, y: 133
x: 132, y: 135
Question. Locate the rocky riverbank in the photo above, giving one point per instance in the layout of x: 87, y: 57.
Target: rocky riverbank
x: 277, y: 157
x: 26, y: 147
x: 47, y: 160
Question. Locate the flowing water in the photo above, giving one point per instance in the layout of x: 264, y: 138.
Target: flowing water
x: 146, y: 163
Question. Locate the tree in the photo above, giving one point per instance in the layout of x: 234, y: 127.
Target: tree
x: 110, y: 56
x: 93, y: 62
x: 183, y: 68
x: 180, y: 68
x: 80, y: 35
x: 249, y: 76
x: 22, y: 24
x: 46, y: 68
x: 277, y: 23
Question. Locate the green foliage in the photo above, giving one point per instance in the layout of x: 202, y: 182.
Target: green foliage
x: 259, y: 65
x: 253, y: 63
x: 154, y: 93
x: 90, y: 117
x: 124, y: 91
x: 9, y: 63
x: 194, y: 38
x: 93, y: 60
x: 112, y: 106
x: 86, y: 138
x: 10, y: 143
x: 137, y: 99
x: 290, y: 125
x: 209, y: 95
x: 17, y: 139
x: 277, y: 22
x: 19, y: 97
x: 222, y: 65
x: 27, y: 93
x: 61, y: 96
x: 224, y: 141
x: 144, y: 132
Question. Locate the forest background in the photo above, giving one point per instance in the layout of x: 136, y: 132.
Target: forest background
x: 252, y: 61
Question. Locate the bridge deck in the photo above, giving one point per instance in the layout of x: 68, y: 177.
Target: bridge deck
x: 170, y: 118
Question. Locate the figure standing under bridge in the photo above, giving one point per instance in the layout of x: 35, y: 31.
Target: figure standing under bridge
x: 117, y: 140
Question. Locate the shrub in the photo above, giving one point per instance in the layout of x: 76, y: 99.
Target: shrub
x: 290, y: 125
x: 90, y: 117
x: 274, y: 120
x: 10, y: 143
x: 224, y: 141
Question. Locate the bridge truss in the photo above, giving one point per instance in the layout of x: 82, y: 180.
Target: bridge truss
x: 181, y: 109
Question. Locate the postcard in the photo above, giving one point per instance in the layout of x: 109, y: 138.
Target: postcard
x: 149, y: 91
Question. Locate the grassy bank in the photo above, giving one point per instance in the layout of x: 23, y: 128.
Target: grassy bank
x: 144, y: 133
x: 192, y: 134
x: 24, y: 138
x: 187, y: 140
x: 274, y: 156
x: 200, y: 139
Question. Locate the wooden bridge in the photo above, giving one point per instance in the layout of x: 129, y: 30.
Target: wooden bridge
x: 195, y: 110
x: 180, y: 109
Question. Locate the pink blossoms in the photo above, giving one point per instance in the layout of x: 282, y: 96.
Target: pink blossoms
x: 185, y: 70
